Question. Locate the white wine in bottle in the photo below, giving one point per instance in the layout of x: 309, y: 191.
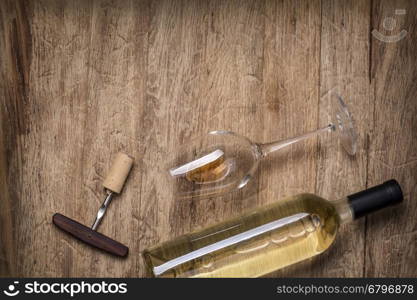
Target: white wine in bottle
x: 268, y: 238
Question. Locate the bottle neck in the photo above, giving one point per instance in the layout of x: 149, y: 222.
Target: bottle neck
x: 367, y: 201
x: 344, y: 210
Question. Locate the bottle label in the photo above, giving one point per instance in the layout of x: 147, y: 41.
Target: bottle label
x: 233, y: 240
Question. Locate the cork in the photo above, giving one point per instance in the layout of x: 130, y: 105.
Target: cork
x: 118, y: 172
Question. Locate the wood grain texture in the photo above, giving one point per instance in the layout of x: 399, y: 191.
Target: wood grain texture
x: 290, y: 100
x: 391, y: 237
x: 82, y: 80
x: 344, y: 69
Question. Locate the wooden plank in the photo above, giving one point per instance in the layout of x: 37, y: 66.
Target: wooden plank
x: 175, y: 76
x: 344, y: 69
x: 231, y: 94
x: 291, y: 93
x: 8, y: 249
x: 232, y: 91
x: 115, y: 90
x: 391, y: 235
x: 54, y: 164
x: 7, y: 260
x: 15, y: 47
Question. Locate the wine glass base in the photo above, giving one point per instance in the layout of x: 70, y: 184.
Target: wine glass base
x: 344, y: 124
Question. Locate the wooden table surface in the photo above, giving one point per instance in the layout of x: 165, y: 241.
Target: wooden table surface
x: 81, y: 80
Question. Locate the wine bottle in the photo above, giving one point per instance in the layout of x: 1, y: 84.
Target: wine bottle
x: 268, y: 238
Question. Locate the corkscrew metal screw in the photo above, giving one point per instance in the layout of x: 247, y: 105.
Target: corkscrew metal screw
x: 102, y: 211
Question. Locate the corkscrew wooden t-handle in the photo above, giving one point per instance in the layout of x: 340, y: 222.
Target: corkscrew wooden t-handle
x: 90, y: 236
x: 113, y: 184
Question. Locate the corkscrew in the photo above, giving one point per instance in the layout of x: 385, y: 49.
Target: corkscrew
x: 112, y: 184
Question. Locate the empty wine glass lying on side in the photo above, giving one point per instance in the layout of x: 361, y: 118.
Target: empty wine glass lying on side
x: 223, y: 161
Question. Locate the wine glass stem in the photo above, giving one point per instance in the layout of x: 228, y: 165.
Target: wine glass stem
x: 274, y: 146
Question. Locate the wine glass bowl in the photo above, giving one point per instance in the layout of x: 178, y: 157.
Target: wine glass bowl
x: 213, y: 164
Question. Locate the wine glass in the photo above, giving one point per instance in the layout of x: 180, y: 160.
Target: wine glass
x: 223, y: 161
